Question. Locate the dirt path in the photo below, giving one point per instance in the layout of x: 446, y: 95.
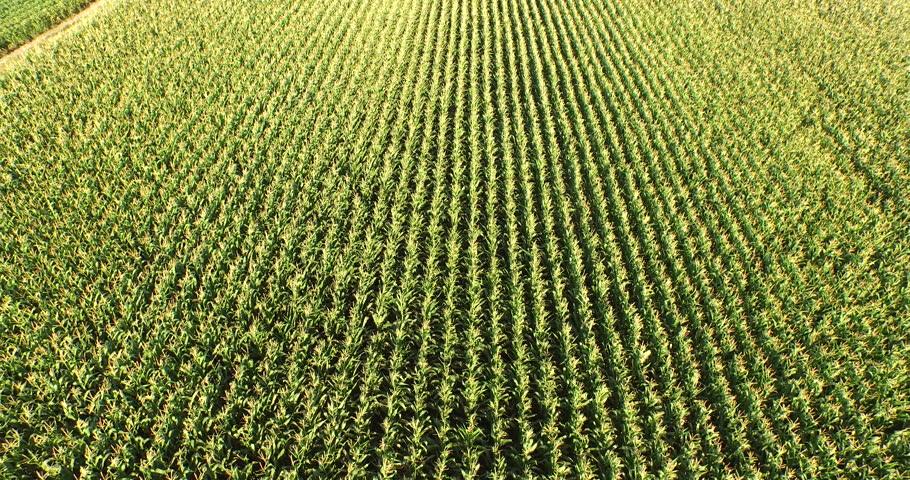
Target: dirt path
x: 54, y: 33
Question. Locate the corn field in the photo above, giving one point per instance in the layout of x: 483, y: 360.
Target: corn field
x: 458, y: 238
x: 21, y: 20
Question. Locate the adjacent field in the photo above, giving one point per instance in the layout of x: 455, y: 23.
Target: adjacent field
x: 22, y: 20
x: 476, y: 238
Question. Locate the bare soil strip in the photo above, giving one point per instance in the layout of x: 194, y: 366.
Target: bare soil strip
x: 52, y: 34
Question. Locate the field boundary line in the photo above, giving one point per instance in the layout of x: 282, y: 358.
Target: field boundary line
x: 52, y: 34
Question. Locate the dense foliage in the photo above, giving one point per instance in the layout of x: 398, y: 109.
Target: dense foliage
x: 572, y: 238
x: 22, y: 20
